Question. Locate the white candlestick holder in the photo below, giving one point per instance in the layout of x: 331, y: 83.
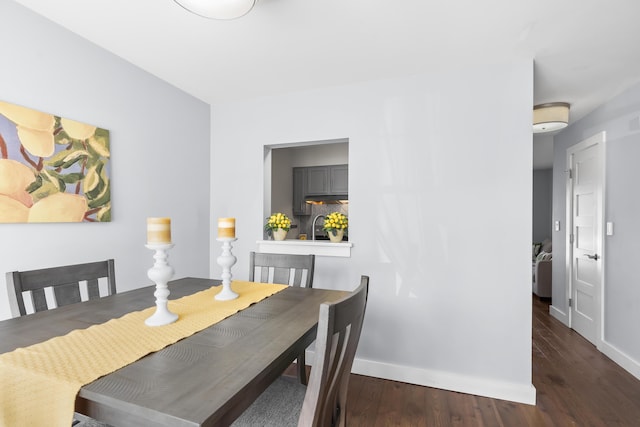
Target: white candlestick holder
x: 160, y: 273
x: 226, y: 261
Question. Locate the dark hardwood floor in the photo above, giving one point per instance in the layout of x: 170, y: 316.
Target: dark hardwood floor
x: 576, y: 386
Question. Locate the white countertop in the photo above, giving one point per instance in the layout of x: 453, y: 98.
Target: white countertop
x: 304, y: 247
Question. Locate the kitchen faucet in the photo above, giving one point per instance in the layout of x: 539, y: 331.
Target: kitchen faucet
x: 313, y: 226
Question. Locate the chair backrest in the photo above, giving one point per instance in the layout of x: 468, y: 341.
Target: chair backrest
x: 339, y: 329
x: 64, y: 281
x: 281, y: 268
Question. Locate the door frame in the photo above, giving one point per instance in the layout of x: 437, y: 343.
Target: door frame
x: 598, y: 139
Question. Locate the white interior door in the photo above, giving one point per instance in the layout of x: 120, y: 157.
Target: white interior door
x: 586, y: 189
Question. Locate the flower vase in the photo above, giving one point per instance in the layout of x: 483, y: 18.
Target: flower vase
x: 335, y: 235
x: 279, y: 234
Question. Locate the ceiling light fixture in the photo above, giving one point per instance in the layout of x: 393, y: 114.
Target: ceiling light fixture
x: 550, y: 117
x: 218, y: 9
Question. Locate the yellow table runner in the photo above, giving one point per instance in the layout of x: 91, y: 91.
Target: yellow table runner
x: 39, y: 383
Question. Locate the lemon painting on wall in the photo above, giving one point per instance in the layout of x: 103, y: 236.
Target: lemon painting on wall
x: 52, y: 169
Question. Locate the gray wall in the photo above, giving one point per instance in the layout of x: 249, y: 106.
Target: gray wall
x: 439, y: 215
x: 425, y: 214
x: 159, y: 144
x: 620, y: 119
x: 542, y: 204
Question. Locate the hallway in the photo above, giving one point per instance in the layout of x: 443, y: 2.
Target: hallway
x: 576, y: 386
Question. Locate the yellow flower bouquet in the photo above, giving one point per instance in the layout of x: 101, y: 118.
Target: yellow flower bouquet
x: 335, y: 222
x: 277, y: 220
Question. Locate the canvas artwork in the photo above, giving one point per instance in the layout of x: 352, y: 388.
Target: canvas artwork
x: 52, y: 169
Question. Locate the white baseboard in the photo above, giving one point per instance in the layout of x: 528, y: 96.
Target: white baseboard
x: 560, y: 315
x: 444, y: 380
x: 621, y: 358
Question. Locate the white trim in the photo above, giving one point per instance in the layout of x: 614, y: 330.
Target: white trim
x: 568, y: 231
x: 305, y: 247
x: 621, y: 358
x: 486, y: 387
x: 520, y: 393
x: 602, y: 233
x: 559, y: 315
x: 599, y: 140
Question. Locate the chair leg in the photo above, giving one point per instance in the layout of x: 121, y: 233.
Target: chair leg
x: 302, y: 368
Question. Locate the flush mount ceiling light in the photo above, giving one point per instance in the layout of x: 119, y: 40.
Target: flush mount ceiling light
x: 550, y: 117
x: 218, y: 9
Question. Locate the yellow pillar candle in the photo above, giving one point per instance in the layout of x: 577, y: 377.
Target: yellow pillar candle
x: 158, y: 230
x: 226, y: 228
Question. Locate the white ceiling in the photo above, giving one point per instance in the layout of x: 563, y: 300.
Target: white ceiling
x: 584, y: 51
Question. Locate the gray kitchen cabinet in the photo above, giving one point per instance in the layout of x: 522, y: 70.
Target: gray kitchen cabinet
x: 317, y: 181
x: 300, y: 206
x: 308, y: 182
x: 327, y: 180
x: 339, y: 179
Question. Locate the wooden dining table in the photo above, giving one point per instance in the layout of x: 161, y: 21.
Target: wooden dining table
x: 207, y: 379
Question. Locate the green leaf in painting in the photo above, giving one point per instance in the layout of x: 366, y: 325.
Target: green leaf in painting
x: 96, y: 186
x: 92, y: 184
x: 49, y: 176
x: 101, y: 199
x: 54, y: 178
x: 57, y: 159
x: 76, y: 145
x: 34, y: 185
x: 104, y: 214
x: 100, y: 146
x: 45, y: 190
x: 74, y: 157
x: 102, y: 133
x: 72, y: 178
x: 103, y: 173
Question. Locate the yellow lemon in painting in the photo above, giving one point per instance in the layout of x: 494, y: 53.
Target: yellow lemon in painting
x: 37, y: 142
x: 59, y: 207
x: 27, y: 117
x: 77, y: 130
x: 12, y: 210
x: 14, y: 179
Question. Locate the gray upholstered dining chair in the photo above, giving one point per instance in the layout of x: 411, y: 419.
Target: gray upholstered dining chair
x: 294, y: 270
x: 65, y: 284
x: 323, y: 402
x: 287, y: 269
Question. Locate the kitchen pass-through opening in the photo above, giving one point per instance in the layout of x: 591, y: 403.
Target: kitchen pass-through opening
x: 307, y: 181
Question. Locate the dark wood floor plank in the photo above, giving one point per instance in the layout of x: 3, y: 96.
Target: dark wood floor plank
x: 437, y: 407
x: 576, y: 386
x: 464, y: 411
x: 489, y: 411
x: 414, y: 400
x: 363, y: 411
x: 390, y: 406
